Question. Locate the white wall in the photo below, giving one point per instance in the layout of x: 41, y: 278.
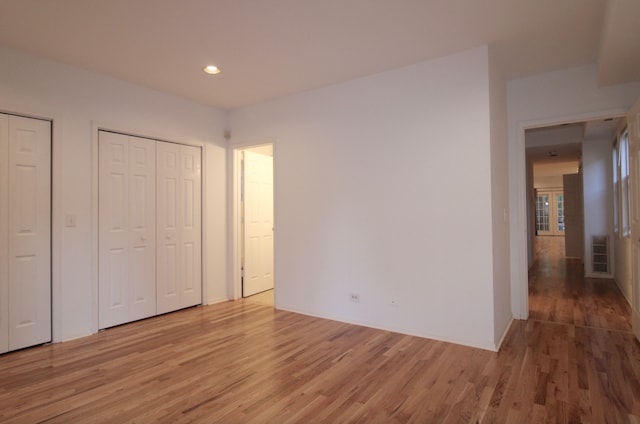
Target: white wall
x: 383, y: 188
x: 597, y: 184
x: 499, y: 203
x: 623, y: 266
x: 75, y: 99
x: 557, y: 97
x: 555, y: 181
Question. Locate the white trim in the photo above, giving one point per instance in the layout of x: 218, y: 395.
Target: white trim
x: 518, y: 192
x: 490, y: 346
x: 504, y: 335
x: 57, y: 226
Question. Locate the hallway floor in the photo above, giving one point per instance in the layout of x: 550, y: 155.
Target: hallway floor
x: 558, y: 291
x: 264, y: 298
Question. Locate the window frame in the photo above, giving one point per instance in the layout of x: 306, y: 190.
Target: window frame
x: 624, y: 190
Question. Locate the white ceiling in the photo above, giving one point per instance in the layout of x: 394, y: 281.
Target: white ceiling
x: 271, y: 48
x: 557, y: 150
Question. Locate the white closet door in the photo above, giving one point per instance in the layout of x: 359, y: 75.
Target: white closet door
x: 167, y: 213
x: 179, y: 274
x: 113, y: 230
x: 190, y: 226
x: 4, y: 231
x: 142, y: 219
x: 126, y: 269
x: 29, y: 232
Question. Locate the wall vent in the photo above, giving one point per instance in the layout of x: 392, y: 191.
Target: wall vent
x: 600, y: 254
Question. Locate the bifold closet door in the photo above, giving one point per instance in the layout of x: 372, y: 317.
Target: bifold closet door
x: 127, y: 230
x: 25, y: 232
x: 179, y: 226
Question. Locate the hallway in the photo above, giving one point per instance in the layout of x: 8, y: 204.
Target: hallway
x: 558, y: 291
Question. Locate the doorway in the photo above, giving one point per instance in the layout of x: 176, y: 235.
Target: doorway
x: 575, y: 201
x: 254, y: 216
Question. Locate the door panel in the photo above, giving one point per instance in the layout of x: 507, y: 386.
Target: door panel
x: 633, y: 124
x: 190, y: 228
x: 113, y: 231
x: 29, y: 225
x: 258, y: 223
x: 142, y: 235
x: 179, y: 227
x: 126, y: 269
x: 167, y: 231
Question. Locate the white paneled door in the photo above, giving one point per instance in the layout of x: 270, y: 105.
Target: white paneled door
x: 127, y: 228
x: 25, y: 232
x: 258, y: 223
x: 633, y: 121
x: 549, y: 213
x: 179, y: 200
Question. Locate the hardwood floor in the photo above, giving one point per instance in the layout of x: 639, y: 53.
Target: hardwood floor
x: 558, y: 292
x: 243, y: 362
x: 264, y: 298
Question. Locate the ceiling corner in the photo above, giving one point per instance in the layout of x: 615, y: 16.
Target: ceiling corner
x: 618, y: 59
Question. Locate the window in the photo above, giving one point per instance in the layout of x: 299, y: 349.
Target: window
x: 542, y: 213
x: 624, y: 191
x: 560, y: 212
x: 550, y: 212
x: 616, y: 180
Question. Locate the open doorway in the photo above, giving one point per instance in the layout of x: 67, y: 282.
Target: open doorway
x: 571, y: 248
x: 255, y: 223
x: 553, y: 160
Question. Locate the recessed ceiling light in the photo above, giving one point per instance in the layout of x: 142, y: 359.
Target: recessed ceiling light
x: 211, y: 69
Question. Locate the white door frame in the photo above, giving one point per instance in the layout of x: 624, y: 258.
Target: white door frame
x: 236, y: 238
x: 518, y: 202
x: 97, y: 126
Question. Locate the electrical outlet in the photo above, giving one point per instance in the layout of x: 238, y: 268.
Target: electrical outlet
x: 354, y: 297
